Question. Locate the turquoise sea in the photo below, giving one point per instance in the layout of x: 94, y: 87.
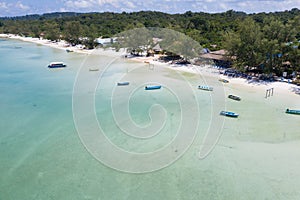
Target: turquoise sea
x: 44, y: 155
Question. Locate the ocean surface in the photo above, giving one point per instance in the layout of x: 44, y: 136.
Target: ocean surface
x: 51, y: 122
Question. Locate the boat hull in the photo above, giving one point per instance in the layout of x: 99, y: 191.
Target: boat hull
x: 205, y: 87
x: 56, y: 66
x: 154, y: 87
x: 122, y: 83
x: 224, y: 80
x: 233, y: 97
x: 294, y: 112
x: 229, y: 114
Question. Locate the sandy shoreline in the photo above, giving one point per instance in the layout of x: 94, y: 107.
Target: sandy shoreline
x: 210, y: 71
x: 63, y: 45
x: 206, y: 70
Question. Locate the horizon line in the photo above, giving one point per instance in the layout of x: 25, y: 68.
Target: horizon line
x: 120, y: 12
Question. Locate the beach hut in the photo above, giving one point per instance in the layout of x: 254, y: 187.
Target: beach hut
x: 157, y: 49
x: 105, y: 41
x: 219, y: 58
x: 42, y: 35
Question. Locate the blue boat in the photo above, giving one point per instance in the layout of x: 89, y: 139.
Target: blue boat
x: 205, y: 87
x: 122, y: 83
x: 295, y: 112
x: 229, y: 114
x: 152, y: 87
x: 56, y: 65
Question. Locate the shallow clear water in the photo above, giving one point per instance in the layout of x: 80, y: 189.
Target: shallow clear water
x: 42, y: 157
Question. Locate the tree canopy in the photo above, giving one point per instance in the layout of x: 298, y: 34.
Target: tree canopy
x: 262, y: 40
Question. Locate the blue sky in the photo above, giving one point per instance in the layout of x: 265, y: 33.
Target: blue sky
x: 24, y: 7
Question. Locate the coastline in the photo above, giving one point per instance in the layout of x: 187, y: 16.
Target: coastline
x: 206, y: 70
x: 58, y: 45
x: 211, y: 71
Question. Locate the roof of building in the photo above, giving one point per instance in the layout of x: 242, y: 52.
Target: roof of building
x: 157, y: 47
x: 215, y: 55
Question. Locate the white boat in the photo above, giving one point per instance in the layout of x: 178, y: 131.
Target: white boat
x: 122, y: 83
x: 205, y: 87
x: 234, y: 97
x: 93, y: 69
x: 69, y: 50
x: 56, y: 65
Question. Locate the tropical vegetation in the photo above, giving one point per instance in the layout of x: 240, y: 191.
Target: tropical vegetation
x: 267, y: 42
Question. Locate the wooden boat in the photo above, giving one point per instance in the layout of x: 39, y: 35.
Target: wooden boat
x: 122, y: 83
x: 234, y: 97
x: 152, y: 87
x: 229, y: 114
x: 205, y: 87
x: 295, y: 112
x: 56, y: 65
x: 224, y: 80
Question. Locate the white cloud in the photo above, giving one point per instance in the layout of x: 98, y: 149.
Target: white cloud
x: 7, y: 8
x: 249, y: 6
x: 80, y: 4
x: 265, y: 5
x: 3, y: 5
x: 63, y: 10
x: 93, y: 4
x: 22, y: 6
x: 102, y: 2
x: 13, y: 9
x: 130, y: 4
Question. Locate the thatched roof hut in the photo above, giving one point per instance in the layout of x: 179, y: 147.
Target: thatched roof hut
x: 219, y: 57
x: 216, y: 55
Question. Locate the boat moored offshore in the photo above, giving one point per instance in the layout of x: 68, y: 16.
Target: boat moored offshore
x: 56, y: 65
x: 229, y: 114
x: 234, y: 97
x: 295, y: 112
x: 205, y: 87
x: 122, y: 83
x: 152, y: 87
x: 223, y: 80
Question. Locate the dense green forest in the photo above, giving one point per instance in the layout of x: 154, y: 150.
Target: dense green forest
x: 262, y: 40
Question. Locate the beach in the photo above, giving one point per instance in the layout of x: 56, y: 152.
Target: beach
x: 256, y: 156
x: 207, y: 70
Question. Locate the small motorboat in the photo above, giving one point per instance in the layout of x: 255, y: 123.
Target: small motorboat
x: 93, y: 69
x: 223, y: 80
x: 122, y: 83
x: 56, y: 65
x: 152, y: 87
x: 295, y: 112
x: 229, y: 114
x: 234, y: 97
x: 205, y: 87
x: 69, y: 50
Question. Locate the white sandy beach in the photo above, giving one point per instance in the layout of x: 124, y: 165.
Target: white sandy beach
x: 58, y: 45
x: 209, y: 70
x: 206, y: 70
